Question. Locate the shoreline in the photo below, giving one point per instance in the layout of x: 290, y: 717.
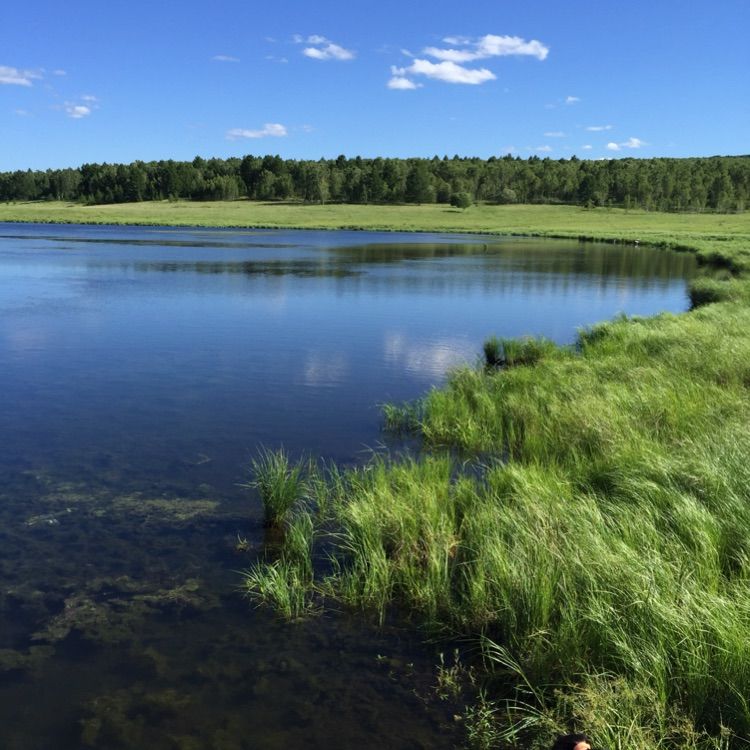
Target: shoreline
x: 699, y: 233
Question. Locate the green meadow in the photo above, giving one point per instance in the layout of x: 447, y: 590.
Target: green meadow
x: 579, y: 516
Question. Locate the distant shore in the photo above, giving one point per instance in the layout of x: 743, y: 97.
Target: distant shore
x: 694, y: 231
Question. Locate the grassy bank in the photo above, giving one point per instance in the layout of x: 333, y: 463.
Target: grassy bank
x: 594, y: 533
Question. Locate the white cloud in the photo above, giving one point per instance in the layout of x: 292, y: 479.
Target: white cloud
x: 59, y: 72
x: 633, y: 143
x: 323, y: 49
x: 587, y: 147
x: 328, y: 52
x: 544, y: 149
x: 451, y: 67
x: 572, y: 100
x: 446, y: 71
x: 452, y: 55
x: 77, y: 111
x: 499, y: 46
x: 457, y: 40
x: 16, y: 77
x: 269, y: 129
x: 630, y: 143
x: 554, y: 134
x: 225, y: 58
x: 598, y: 128
x: 21, y: 112
x: 490, y: 45
x: 273, y: 58
x: 403, y: 84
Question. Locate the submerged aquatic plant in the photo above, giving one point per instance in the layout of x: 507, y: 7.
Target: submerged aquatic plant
x: 280, y: 484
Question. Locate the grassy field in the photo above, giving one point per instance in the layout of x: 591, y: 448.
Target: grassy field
x: 706, y: 232
x: 584, y: 514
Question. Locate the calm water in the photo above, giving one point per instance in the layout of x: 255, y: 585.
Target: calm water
x: 140, y: 368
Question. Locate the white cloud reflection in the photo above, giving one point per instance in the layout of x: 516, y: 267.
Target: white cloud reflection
x: 325, y: 369
x: 427, y: 359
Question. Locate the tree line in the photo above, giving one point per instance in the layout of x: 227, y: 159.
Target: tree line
x: 718, y: 183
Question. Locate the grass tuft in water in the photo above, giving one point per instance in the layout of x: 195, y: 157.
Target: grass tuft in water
x: 402, y: 418
x: 279, y: 585
x: 502, y: 352
x: 493, y: 352
x: 287, y: 583
x: 279, y: 482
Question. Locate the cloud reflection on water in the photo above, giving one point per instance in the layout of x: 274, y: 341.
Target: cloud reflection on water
x: 323, y: 369
x: 426, y: 359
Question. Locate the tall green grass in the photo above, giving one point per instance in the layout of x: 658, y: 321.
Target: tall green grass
x: 617, y: 712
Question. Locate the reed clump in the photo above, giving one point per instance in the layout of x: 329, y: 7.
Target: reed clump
x: 279, y: 482
x: 286, y: 582
x: 503, y: 352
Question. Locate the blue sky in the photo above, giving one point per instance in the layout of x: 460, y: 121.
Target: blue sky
x: 117, y: 81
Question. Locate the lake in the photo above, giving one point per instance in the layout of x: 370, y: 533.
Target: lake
x: 140, y: 370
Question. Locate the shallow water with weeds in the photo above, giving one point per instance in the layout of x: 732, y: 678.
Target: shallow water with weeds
x: 140, y: 369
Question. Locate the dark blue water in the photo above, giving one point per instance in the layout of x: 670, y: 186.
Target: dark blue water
x: 140, y: 368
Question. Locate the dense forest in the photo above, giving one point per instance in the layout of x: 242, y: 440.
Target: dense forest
x: 695, y: 184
